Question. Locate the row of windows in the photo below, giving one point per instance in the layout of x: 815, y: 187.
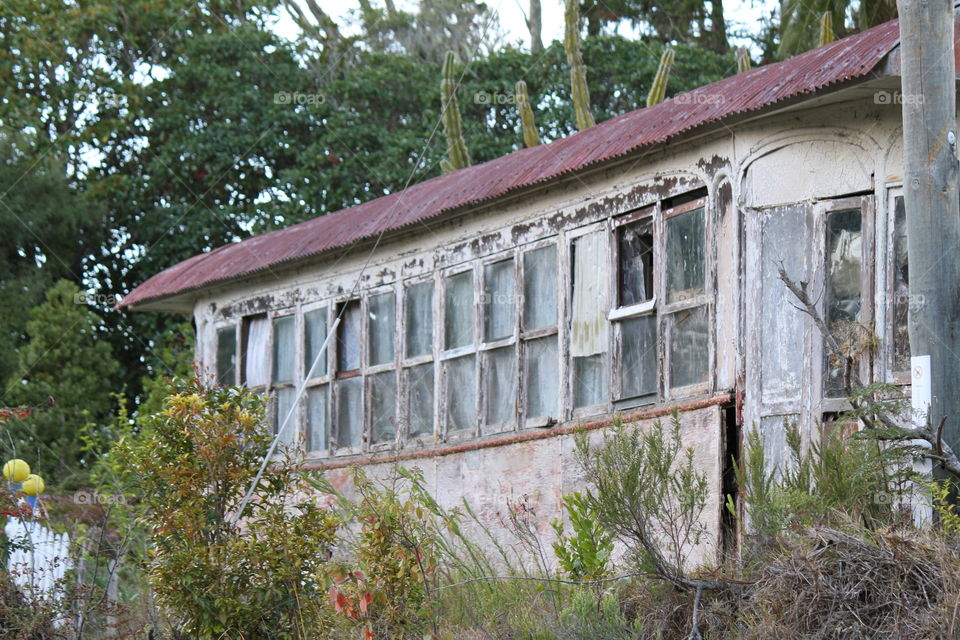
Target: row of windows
x: 480, y: 349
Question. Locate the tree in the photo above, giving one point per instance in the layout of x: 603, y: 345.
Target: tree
x: 800, y: 20
x: 686, y: 21
x: 67, y: 359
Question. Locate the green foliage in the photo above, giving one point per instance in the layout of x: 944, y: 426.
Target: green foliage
x: 942, y: 500
x: 66, y: 359
x: 802, y: 21
x: 648, y: 491
x: 263, y: 577
x: 579, y: 90
x: 584, y: 555
x: 457, y: 155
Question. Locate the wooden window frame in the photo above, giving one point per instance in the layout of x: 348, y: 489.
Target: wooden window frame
x: 445, y: 355
x: 316, y: 381
x: 407, y: 364
x: 217, y: 328
x: 338, y: 377
x: 369, y: 371
x: 272, y: 387
x: 485, y: 348
x: 527, y: 336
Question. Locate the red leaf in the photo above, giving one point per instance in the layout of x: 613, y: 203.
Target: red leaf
x: 365, y: 601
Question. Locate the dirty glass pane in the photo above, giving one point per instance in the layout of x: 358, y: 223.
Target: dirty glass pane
x: 784, y: 243
x: 460, y: 392
x: 348, y: 342
x: 256, y: 358
x: 901, y: 289
x: 588, y: 325
x: 500, y: 379
x: 314, y: 333
x: 284, y: 337
x: 284, y: 403
x: 458, y: 310
x: 685, y: 255
x: 381, y: 324
x: 499, y: 300
x: 420, y: 402
x: 318, y: 420
x: 589, y: 380
x: 844, y: 257
x: 349, y: 411
x: 638, y: 356
x: 540, y: 288
x: 542, y: 379
x: 689, y: 348
x: 635, y: 262
x: 419, y: 319
x: 383, y: 406
x: 226, y: 356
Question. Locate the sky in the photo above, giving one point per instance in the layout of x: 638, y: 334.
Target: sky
x: 741, y: 15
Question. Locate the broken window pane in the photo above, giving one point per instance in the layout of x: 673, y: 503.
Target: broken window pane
x: 844, y: 258
x: 638, y: 356
x: 348, y: 343
x: 689, y: 348
x: 542, y: 380
x: 685, y: 255
x: 349, y: 411
x: 383, y: 407
x: 540, y: 288
x: 284, y: 337
x: 284, y: 405
x: 635, y: 262
x: 419, y: 319
x: 458, y: 310
x: 901, y: 289
x: 256, y: 358
x: 499, y: 300
x: 318, y: 412
x: 381, y: 324
x: 226, y: 356
x: 589, y: 314
x: 420, y: 403
x: 314, y: 333
x: 589, y: 380
x: 500, y: 379
x: 460, y: 391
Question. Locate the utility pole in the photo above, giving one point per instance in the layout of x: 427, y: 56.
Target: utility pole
x: 928, y: 78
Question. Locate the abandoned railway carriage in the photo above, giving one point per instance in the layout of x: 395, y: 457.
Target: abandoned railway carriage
x: 630, y: 269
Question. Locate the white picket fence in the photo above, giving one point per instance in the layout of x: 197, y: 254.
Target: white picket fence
x: 39, y: 558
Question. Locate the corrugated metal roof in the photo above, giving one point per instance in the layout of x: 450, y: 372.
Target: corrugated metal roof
x: 846, y: 59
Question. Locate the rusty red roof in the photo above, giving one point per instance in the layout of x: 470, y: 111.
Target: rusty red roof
x: 850, y: 58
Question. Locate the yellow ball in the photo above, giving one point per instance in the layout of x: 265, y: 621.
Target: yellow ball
x: 33, y: 485
x: 16, y: 470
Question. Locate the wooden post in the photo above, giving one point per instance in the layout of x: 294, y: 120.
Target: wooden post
x: 928, y: 97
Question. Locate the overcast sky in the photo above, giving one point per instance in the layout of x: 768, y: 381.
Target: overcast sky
x: 741, y: 15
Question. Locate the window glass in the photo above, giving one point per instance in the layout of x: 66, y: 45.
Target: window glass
x: 349, y: 411
x: 689, y: 348
x: 843, y: 296
x: 381, y: 324
x: 460, y: 384
x: 419, y: 319
x: 685, y: 255
x: 284, y: 404
x: 499, y: 300
x: 256, y: 357
x: 589, y: 327
x: 226, y: 356
x: 542, y: 380
x: 635, y: 262
x: 348, y: 344
x: 540, y: 288
x: 638, y: 358
x: 284, y: 338
x: 501, y: 385
x: 458, y: 310
x: 318, y: 412
x: 314, y: 333
x: 901, y: 289
x: 383, y: 406
x: 420, y: 402
x: 589, y: 381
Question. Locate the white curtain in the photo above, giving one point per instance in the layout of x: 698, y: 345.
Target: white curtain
x: 256, y: 365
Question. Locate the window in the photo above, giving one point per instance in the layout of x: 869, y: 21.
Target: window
x: 458, y: 310
x: 499, y: 345
x: 381, y: 368
x: 282, y: 389
x: 349, y: 385
x: 256, y: 334
x: 635, y: 261
x: 227, y: 356
x: 459, y: 361
x: 541, y: 366
x: 418, y: 328
x: 588, y: 322
x: 382, y: 318
x: 900, y: 294
x: 685, y: 266
x: 315, y: 372
x: 844, y: 254
x: 418, y: 362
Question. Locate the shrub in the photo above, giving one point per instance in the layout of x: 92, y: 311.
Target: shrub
x: 585, y: 555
